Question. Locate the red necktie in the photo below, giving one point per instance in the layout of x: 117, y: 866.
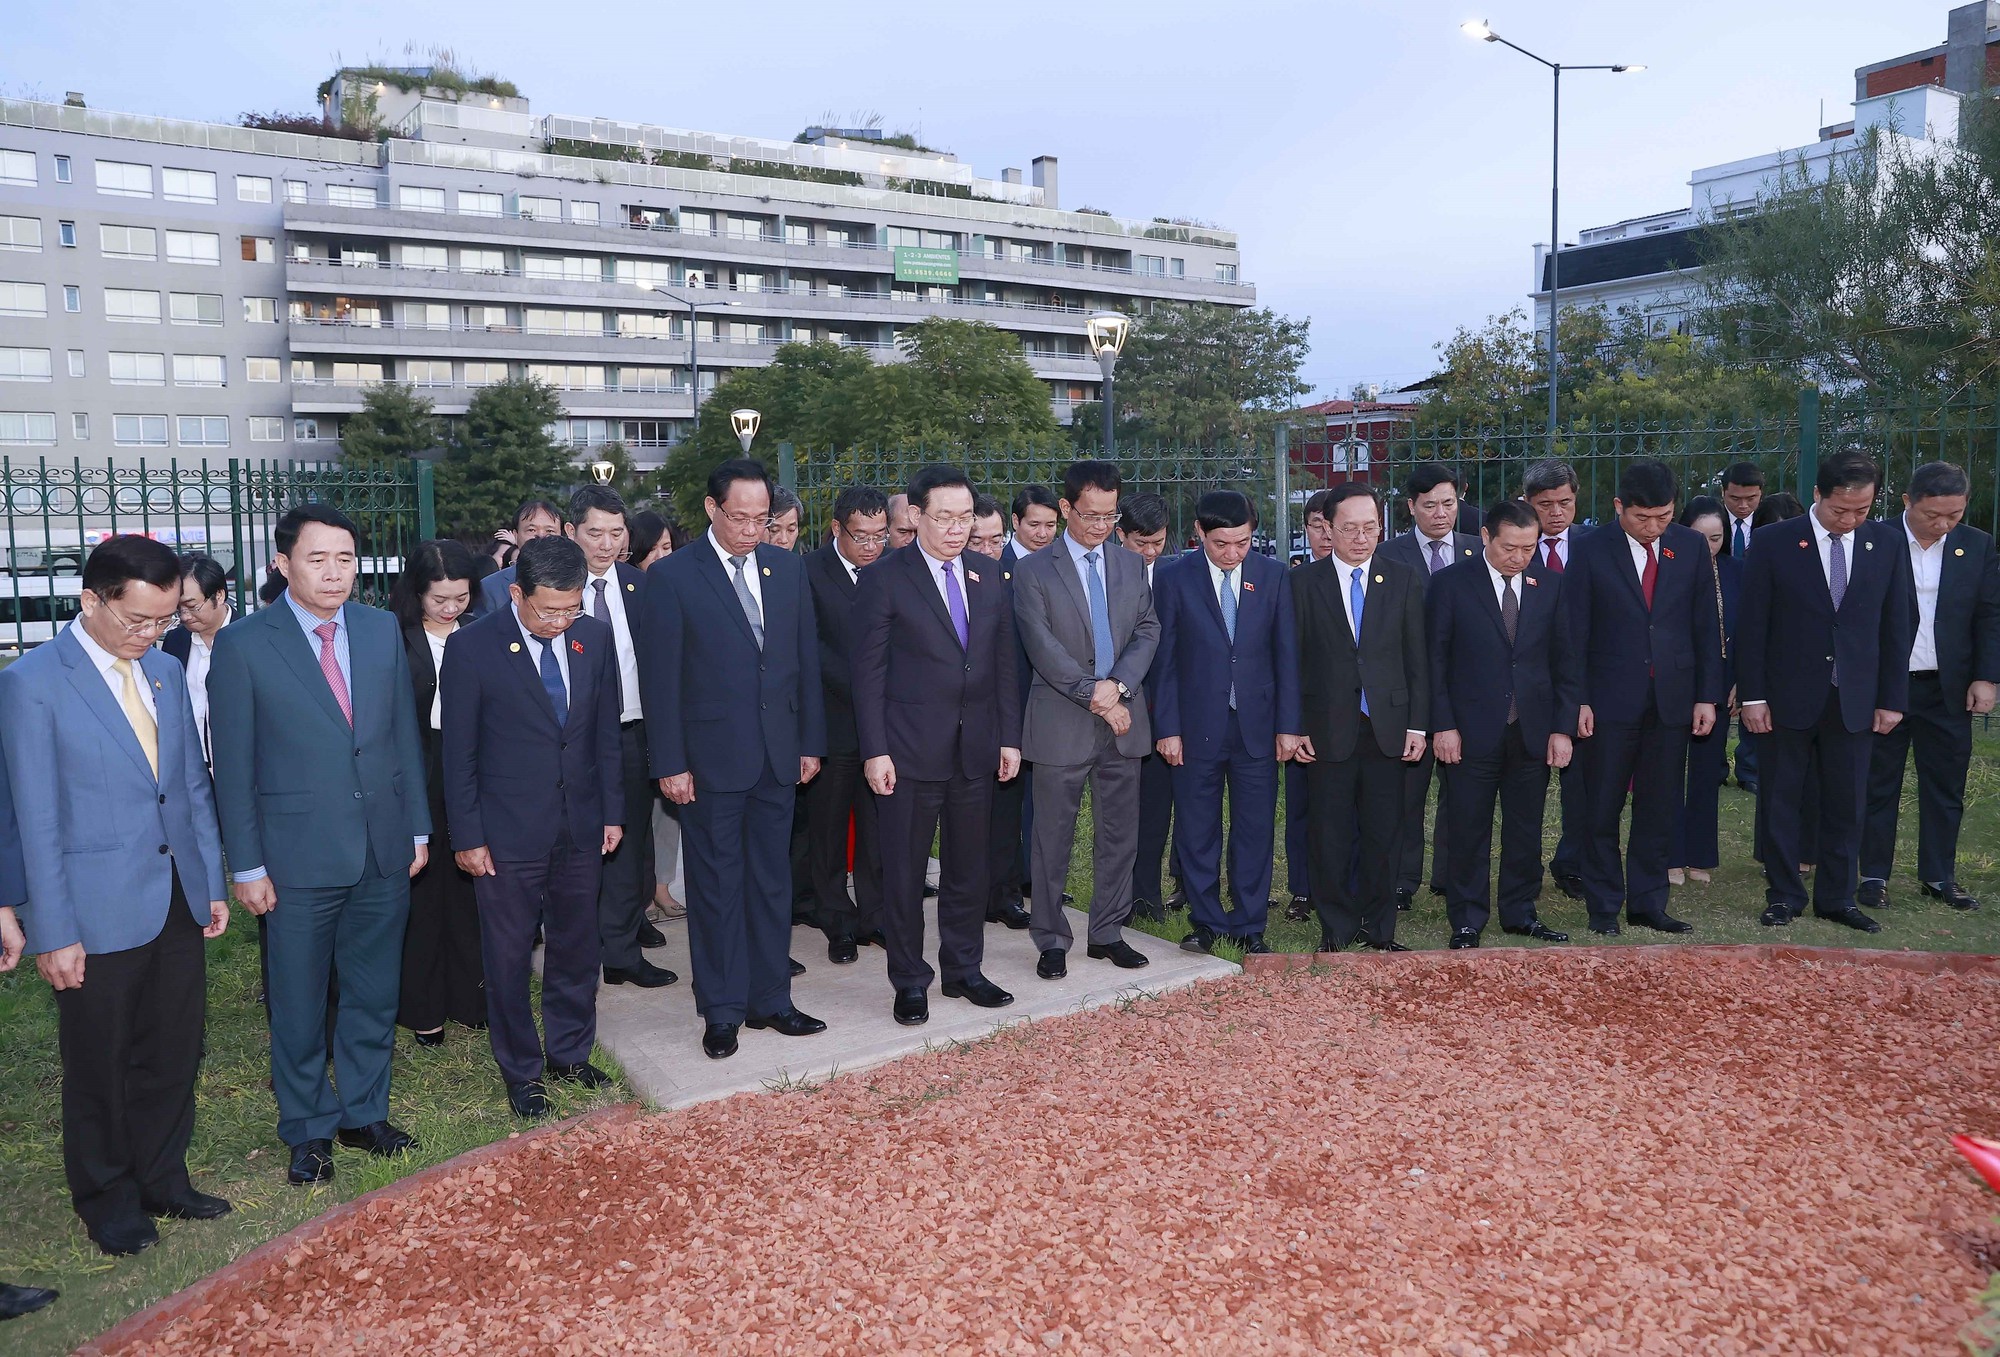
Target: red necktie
x: 329, y: 665
x: 1555, y: 561
x: 1651, y: 576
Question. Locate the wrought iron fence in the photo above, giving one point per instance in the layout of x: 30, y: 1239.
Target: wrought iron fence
x: 53, y: 513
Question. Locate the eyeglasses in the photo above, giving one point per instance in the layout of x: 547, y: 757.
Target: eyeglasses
x: 1097, y: 520
x: 150, y: 626
x: 950, y: 521
x: 866, y: 539
x: 747, y: 520
x: 1357, y: 530
x: 552, y: 615
x: 198, y: 607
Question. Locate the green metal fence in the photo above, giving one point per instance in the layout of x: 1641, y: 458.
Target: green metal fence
x: 53, y: 513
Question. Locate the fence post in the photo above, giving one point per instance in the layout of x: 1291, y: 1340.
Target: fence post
x: 236, y: 530
x: 1808, y: 442
x: 426, y: 499
x: 1281, y: 448
x: 788, y: 468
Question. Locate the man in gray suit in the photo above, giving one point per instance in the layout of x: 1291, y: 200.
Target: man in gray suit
x: 1085, y: 616
x: 121, y: 873
x: 1431, y: 544
x: 319, y: 784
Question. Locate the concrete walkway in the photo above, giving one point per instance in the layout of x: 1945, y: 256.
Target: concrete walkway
x: 656, y: 1034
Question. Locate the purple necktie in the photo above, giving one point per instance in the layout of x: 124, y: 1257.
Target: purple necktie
x: 954, y: 599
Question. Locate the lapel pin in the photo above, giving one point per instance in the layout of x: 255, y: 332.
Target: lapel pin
x: 1868, y: 546
x: 1378, y: 579
x: 514, y: 646
x: 971, y: 576
x: 1467, y: 551
x: 630, y: 588
x: 1667, y: 552
x: 1008, y: 574
x: 1532, y: 581
x: 767, y: 570
x: 576, y: 646
x: 156, y: 684
x: 1803, y: 545
x: 1958, y: 551
x: 1249, y: 588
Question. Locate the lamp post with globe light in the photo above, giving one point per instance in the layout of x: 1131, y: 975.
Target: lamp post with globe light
x: 745, y: 423
x: 1106, y: 331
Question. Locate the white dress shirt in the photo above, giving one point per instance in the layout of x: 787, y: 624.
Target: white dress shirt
x: 1561, y: 539
x: 751, y: 573
x: 535, y: 645
x: 1926, y: 569
x: 936, y: 568
x: 1639, y: 553
x: 1746, y: 525
x: 1215, y: 580
x: 103, y: 660
x: 1824, y: 541
x: 1347, y: 577
x: 201, y: 654
x: 1500, y: 583
x: 621, y: 632
x: 437, y: 667
x: 1446, y: 555
x: 1077, y: 551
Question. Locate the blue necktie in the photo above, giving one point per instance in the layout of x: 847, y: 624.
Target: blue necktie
x: 1742, y: 542
x: 1100, y: 618
x: 552, y: 682
x: 1229, y: 623
x: 1355, y: 595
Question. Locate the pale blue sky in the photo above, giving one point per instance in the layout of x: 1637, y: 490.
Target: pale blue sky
x: 1388, y: 175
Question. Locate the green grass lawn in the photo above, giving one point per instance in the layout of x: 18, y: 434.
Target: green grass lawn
x: 452, y: 1099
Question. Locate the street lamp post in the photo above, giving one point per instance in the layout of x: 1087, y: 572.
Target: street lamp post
x: 745, y: 423
x: 602, y: 471
x: 694, y: 341
x: 1106, y: 331
x: 1477, y: 28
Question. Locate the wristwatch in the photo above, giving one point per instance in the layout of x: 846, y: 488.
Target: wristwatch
x: 1124, y: 692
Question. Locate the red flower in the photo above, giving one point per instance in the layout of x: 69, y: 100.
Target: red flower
x: 1984, y: 1155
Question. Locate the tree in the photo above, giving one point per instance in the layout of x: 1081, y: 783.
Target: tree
x: 1200, y: 375
x: 969, y: 384
x: 502, y: 455
x: 1497, y: 377
x: 394, y: 424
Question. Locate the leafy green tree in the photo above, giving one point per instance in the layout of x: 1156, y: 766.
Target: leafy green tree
x: 1496, y: 377
x: 1199, y: 375
x: 502, y: 455
x: 969, y: 384
x: 395, y: 423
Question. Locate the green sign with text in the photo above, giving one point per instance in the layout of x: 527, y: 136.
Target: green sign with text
x: 922, y: 265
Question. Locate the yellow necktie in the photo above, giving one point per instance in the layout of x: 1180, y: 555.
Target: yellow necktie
x: 142, y: 721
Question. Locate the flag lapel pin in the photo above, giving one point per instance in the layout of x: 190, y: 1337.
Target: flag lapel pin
x: 576, y: 646
x: 972, y: 576
x: 1667, y: 552
x: 1249, y: 588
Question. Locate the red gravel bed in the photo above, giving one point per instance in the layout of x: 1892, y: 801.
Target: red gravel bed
x: 1540, y: 1153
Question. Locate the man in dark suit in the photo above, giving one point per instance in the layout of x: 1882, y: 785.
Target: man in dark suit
x: 1226, y: 714
x: 1086, y: 617
x: 729, y: 660
x: 319, y: 779
x: 1432, y: 543
x: 1036, y: 513
x: 1742, y: 492
x: 1298, y: 868
x: 838, y: 794
x: 1823, y: 637
x: 1641, y: 595
x: 117, y: 872
x: 1954, y: 604
x: 535, y: 518
x: 15, y: 1300
x: 1364, y: 698
x: 937, y: 708
x: 1142, y: 530
x: 1503, y: 699
x: 1550, y: 488
x: 613, y: 594
x: 533, y: 790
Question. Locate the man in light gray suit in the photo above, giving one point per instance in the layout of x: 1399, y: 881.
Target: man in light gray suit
x: 1085, y: 616
x: 123, y: 870
x: 1431, y: 544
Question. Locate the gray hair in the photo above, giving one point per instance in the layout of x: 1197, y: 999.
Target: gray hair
x: 1549, y: 474
x: 785, y: 501
x: 1935, y: 480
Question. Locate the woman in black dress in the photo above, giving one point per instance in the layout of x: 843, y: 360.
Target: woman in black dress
x: 443, y: 977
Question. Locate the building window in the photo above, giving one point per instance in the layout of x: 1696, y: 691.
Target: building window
x: 19, y: 428
x: 62, y: 169
x: 350, y: 195
x: 137, y: 369
x: 1177, y: 268
x: 194, y: 308
x: 23, y: 299
x: 304, y: 370
x: 72, y: 299
x: 21, y: 233
x: 79, y: 427
x: 426, y: 316
x: 25, y: 365
x: 539, y: 209
x: 486, y: 318
x: 18, y: 167
x: 194, y: 247
x: 260, y: 310
x: 435, y: 258
x: 698, y: 223
x: 132, y: 307
x: 646, y: 324
x: 482, y: 261
x: 76, y: 362
x: 199, y: 369
x: 357, y: 374
x: 122, y: 179
x: 585, y: 214
x: 411, y: 198
x: 485, y: 374
x: 128, y: 242
x: 425, y: 372
x: 253, y: 188
x: 1153, y: 265
x: 481, y: 204
x: 537, y: 321
x: 202, y: 431
x: 261, y: 370
x: 66, y: 234
x: 644, y: 272
x: 187, y: 186
x: 295, y: 191
x: 267, y: 428
x: 305, y: 431
x: 139, y: 431
x: 570, y: 267
x: 1225, y: 273
x: 259, y: 250
x: 568, y: 377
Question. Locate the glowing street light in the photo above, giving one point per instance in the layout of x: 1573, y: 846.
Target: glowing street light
x: 1106, y: 332
x: 745, y: 423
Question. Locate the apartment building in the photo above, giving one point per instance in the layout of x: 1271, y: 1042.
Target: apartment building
x: 201, y: 291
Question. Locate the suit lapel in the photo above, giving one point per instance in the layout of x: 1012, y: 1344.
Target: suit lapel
x: 920, y: 571
x: 97, y: 696
x: 582, y: 693
x: 520, y: 659
x: 1491, y: 606
x: 151, y: 666
x: 709, y: 566
x: 1205, y: 584
x: 1065, y: 567
x: 290, y: 642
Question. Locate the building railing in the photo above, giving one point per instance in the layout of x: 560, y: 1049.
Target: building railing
x: 182, y: 132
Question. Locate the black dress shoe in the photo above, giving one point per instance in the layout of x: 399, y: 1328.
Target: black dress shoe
x: 430, y: 1038
x: 798, y: 968
x: 1387, y: 947
x: 1121, y: 954
x: 1406, y: 901
x: 1750, y: 786
x: 528, y: 1100
x: 125, y: 1236
x: 1462, y: 938
x: 312, y: 1162
x: 16, y: 1301
x: 1011, y: 914
x: 1950, y: 892
x: 1327, y: 944
x: 930, y: 891
x: 645, y: 975
x: 1776, y: 916
x: 983, y: 993
x: 1054, y: 964
x: 1437, y: 890
x: 913, y: 1007
x: 1068, y: 899
x: 718, y: 1040
x: 874, y: 939
x: 1875, y: 894
x: 379, y: 1138
x: 1254, y: 945
x: 1200, y: 940
x: 1539, y: 930
x: 1177, y: 901
x: 1853, y: 918
x: 586, y: 1075
x: 842, y: 951
x: 1606, y: 930
x: 790, y: 1023
x: 187, y: 1205
x: 1662, y: 923
x: 1146, y: 909
x: 1570, y: 885
x: 650, y: 936
x: 1299, y: 910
